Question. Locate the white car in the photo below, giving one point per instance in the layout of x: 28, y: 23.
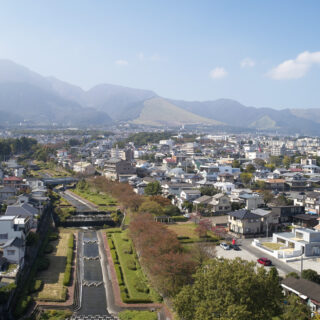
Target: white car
x: 224, y: 246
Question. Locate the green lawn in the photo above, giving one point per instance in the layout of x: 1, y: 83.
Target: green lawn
x: 137, y: 315
x: 52, y: 278
x: 104, y: 201
x: 135, y: 281
x: 273, y: 245
x: 187, y: 231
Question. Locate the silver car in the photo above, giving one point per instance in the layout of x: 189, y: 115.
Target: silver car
x: 224, y: 246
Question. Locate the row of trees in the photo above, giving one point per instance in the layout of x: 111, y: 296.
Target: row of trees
x: 16, y: 146
x: 161, y: 253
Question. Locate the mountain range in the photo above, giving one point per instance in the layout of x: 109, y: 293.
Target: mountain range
x: 28, y: 96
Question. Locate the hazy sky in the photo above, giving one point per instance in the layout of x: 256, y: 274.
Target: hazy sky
x: 261, y: 53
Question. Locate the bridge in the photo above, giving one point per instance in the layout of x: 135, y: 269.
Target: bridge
x: 52, y: 182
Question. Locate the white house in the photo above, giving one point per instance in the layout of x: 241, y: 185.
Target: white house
x: 84, y: 168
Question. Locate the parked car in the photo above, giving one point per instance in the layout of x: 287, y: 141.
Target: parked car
x: 264, y: 261
x: 235, y: 247
x: 225, y: 246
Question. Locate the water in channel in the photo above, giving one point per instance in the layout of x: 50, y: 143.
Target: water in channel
x: 93, y: 300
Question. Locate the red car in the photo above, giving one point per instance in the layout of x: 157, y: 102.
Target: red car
x: 265, y: 261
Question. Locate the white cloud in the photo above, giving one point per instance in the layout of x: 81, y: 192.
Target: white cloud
x: 121, y: 62
x: 295, y: 68
x: 218, y: 73
x: 247, y: 62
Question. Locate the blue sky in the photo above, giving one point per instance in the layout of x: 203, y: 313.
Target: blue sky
x: 261, y: 53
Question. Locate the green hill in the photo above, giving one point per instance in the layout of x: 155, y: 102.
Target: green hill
x: 160, y: 112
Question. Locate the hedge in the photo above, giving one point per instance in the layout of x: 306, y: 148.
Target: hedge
x: 131, y: 264
x: 119, y: 274
x: 67, y: 275
x: 140, y: 286
x: 49, y: 248
x: 35, y: 286
x: 129, y: 300
x: 67, y: 272
x: 22, y: 306
x: 128, y: 249
x: 53, y: 236
x: 179, y: 218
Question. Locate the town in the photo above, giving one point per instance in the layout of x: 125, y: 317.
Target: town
x: 118, y: 224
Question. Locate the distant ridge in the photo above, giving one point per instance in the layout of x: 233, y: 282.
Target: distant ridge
x: 27, y: 96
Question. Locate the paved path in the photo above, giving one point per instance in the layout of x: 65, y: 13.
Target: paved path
x: 81, y: 204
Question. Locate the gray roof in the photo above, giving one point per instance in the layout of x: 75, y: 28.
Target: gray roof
x: 21, y: 209
x: 261, y: 212
x: 305, y: 287
x: 14, y: 242
x: 243, y: 214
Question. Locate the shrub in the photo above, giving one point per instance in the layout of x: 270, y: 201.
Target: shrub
x: 22, y: 306
x: 35, y: 286
x: 183, y: 237
x: 32, y: 238
x: 69, y: 255
x: 111, y: 244
x: 55, y: 314
x: 127, y: 249
x: 49, y: 248
x: 53, y: 236
x: 140, y: 286
x: 129, y: 300
x: 114, y: 256
x: 179, y: 218
x: 119, y: 274
x: 71, y: 241
x: 132, y: 264
x: 43, y: 264
x: 124, y: 237
x: 67, y: 275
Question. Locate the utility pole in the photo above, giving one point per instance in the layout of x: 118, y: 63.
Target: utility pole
x: 301, y: 266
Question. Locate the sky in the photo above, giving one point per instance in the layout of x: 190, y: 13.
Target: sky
x: 260, y: 53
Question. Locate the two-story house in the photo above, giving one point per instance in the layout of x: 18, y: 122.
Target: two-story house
x: 220, y: 204
x: 244, y: 223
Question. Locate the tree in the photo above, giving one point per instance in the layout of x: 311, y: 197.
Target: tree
x: 246, y: 177
x: 293, y: 275
x: 286, y: 161
x: 295, y: 309
x: 259, y: 162
x: 171, y: 210
x: 153, y: 188
x: 151, y: 207
x: 187, y: 205
x: 267, y: 196
x: 230, y: 289
x: 250, y: 168
x: 208, y: 191
x: 310, y: 275
x: 235, y: 163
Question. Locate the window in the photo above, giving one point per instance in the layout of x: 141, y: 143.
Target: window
x: 3, y: 236
x: 11, y: 252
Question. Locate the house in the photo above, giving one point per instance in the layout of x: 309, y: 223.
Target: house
x: 6, y: 193
x: 220, y: 203
x: 14, y: 227
x: 244, y: 223
x: 252, y: 200
x: 189, y: 195
x: 225, y: 177
x: 84, y: 168
x: 302, y: 240
x: 12, y: 182
x: 308, y: 291
x: 275, y: 184
x: 113, y: 168
x: 169, y: 188
x: 203, y: 200
x: 305, y: 220
x: 286, y: 213
x: 312, y: 203
x: 269, y: 220
x: 13, y: 250
x: 225, y: 187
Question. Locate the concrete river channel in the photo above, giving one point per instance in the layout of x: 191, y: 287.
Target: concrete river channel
x: 92, y: 291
